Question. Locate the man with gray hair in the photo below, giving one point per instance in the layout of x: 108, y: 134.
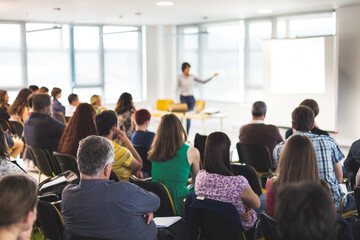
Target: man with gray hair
x: 101, y: 208
x: 256, y: 132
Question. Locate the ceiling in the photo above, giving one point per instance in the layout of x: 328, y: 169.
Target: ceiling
x: 146, y: 12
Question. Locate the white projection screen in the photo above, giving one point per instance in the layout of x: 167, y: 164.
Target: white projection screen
x: 296, y: 69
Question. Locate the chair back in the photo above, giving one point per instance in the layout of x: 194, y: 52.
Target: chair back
x: 326, y: 185
x: 216, y: 220
x: 268, y: 224
x: 60, y: 117
x: 5, y: 125
x: 17, y: 128
x: 250, y: 174
x: 199, y: 144
x: 44, y: 161
x: 256, y: 155
x: 163, y: 104
x: 166, y: 204
x: 50, y: 221
x: 143, y: 152
x: 357, y: 199
x: 66, y: 162
x: 199, y: 105
x: 114, y: 177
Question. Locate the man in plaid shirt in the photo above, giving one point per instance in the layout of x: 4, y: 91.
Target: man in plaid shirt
x: 327, y: 151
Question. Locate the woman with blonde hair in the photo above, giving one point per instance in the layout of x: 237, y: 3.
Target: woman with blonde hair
x: 95, y: 101
x: 297, y: 163
x: 17, y: 207
x: 173, y: 160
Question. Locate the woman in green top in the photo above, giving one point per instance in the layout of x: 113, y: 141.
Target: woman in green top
x: 172, y: 160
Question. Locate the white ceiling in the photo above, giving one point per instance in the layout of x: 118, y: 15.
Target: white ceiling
x: 124, y: 11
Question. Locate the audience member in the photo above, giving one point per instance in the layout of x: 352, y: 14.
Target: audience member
x: 17, y: 207
x: 43, y: 90
x: 56, y: 105
x: 142, y: 137
x: 173, y: 160
x: 40, y: 130
x: 18, y: 111
x: 34, y: 88
x: 4, y: 98
x: 95, y: 101
x: 297, y: 163
x: 216, y: 181
x: 327, y: 151
x: 305, y: 211
x: 74, y: 102
x: 126, y: 159
x: 312, y: 104
x: 125, y: 110
x: 81, y: 125
x: 352, y: 161
x: 101, y: 208
x: 256, y: 132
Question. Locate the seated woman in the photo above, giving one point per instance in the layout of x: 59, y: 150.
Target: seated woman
x: 18, y: 111
x: 81, y: 125
x: 297, y: 163
x: 17, y: 207
x: 172, y: 160
x: 216, y: 181
x: 56, y: 105
x: 4, y: 98
x: 125, y: 110
x: 95, y: 101
x: 142, y: 137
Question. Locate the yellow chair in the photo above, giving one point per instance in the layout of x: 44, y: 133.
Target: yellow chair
x: 163, y: 104
x: 199, y: 105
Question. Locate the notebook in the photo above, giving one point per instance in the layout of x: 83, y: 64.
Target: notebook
x: 164, y: 222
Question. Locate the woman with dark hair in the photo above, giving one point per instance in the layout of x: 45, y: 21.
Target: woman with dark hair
x: 216, y: 181
x: 18, y: 201
x: 81, y: 125
x: 4, y: 98
x: 297, y: 163
x: 125, y: 110
x: 56, y: 105
x: 18, y: 111
x: 172, y: 160
x: 185, y: 83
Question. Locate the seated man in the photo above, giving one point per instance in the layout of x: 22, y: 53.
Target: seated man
x: 101, y: 208
x: 312, y: 104
x: 127, y: 160
x: 327, y: 151
x: 305, y: 211
x: 352, y: 161
x: 142, y: 137
x: 256, y: 132
x: 74, y: 102
x: 40, y: 129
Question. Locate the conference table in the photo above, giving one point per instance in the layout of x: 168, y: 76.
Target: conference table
x: 194, y: 115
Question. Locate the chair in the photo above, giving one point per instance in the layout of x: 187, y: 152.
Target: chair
x: 44, y: 161
x: 66, y: 162
x: 199, y: 105
x: 60, y: 117
x: 325, y: 184
x: 357, y: 199
x: 166, y: 204
x: 163, y: 104
x: 268, y: 224
x: 258, y: 156
x: 250, y: 174
x: 143, y: 152
x: 17, y: 128
x: 213, y: 219
x: 114, y: 177
x: 199, y: 144
x: 5, y: 125
x: 49, y: 220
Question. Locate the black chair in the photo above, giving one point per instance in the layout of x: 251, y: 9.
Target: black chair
x: 114, y: 177
x: 17, y: 128
x: 143, y: 152
x: 250, y: 174
x: 60, y: 117
x: 268, y: 224
x: 258, y: 156
x: 50, y: 221
x: 166, y: 204
x: 199, y: 144
x: 213, y: 219
x: 49, y: 198
x: 5, y: 124
x: 357, y: 199
x: 44, y: 161
x: 66, y: 162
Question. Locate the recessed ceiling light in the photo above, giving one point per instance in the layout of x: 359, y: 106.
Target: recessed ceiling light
x: 165, y: 4
x: 263, y: 11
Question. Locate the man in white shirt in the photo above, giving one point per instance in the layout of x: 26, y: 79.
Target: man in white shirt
x: 74, y: 102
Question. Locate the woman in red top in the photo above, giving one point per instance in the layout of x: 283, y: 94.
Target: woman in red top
x: 297, y: 163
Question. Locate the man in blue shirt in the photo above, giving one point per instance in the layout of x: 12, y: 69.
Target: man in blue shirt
x: 101, y: 208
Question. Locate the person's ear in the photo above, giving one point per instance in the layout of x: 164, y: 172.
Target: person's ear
x: 292, y: 124
x: 107, y: 170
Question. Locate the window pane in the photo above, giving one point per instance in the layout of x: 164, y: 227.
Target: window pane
x: 121, y: 37
x: 191, y: 38
x: 258, y: 31
x: 87, y: 69
x: 10, y: 69
x: 255, y: 77
x: 86, y: 93
x: 10, y: 36
x: 311, y: 27
x: 51, y: 38
x: 86, y: 37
